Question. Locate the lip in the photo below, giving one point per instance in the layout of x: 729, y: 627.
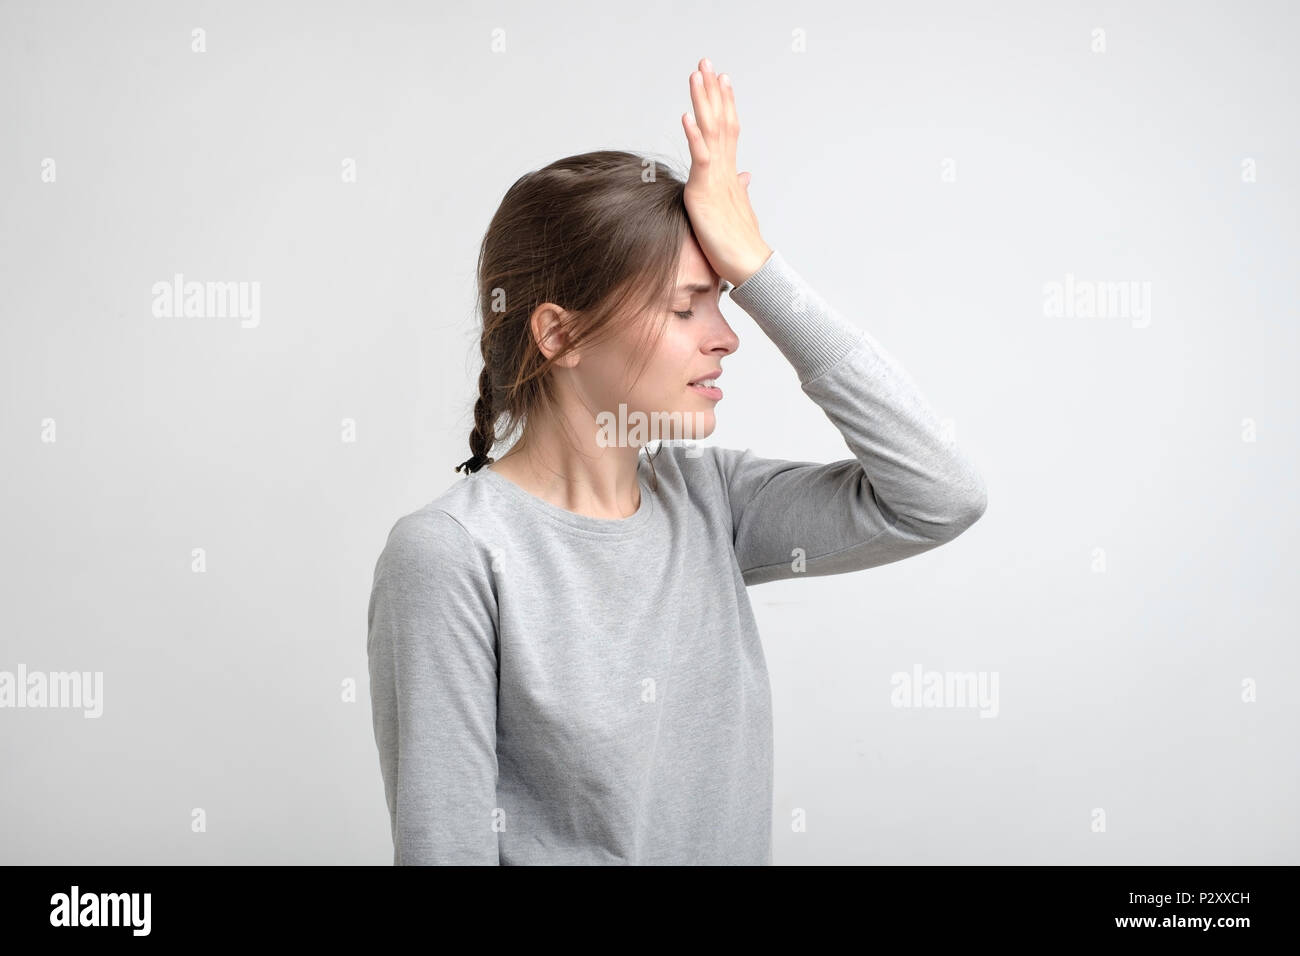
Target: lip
x: 713, y: 393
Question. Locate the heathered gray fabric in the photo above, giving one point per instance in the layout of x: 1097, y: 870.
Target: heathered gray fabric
x: 552, y: 688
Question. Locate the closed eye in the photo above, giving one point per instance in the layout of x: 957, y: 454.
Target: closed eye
x: 690, y: 313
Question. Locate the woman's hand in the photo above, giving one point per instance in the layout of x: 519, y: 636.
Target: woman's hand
x: 717, y: 199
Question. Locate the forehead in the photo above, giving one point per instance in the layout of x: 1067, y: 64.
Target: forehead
x: 694, y: 273
x: 696, y: 284
x: 697, y: 276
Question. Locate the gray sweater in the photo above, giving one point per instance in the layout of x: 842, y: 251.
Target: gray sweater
x: 553, y: 688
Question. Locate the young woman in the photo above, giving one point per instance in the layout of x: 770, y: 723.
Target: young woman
x: 564, y: 664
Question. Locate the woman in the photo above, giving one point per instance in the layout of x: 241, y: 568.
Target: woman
x: 564, y: 664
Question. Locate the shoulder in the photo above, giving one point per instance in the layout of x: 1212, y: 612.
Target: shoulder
x: 687, y: 452
x: 426, y: 541
x: 695, y: 469
x: 696, y: 459
x: 431, y: 578
x: 427, y: 528
x: 447, y: 525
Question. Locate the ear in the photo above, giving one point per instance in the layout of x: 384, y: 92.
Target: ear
x: 548, y: 326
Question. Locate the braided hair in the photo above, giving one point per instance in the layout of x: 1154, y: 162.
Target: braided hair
x: 484, y: 426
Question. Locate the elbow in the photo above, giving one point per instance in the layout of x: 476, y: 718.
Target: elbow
x: 971, y: 502
x: 958, y: 504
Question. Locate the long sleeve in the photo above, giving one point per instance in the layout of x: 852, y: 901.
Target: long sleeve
x: 432, y: 649
x: 906, y: 490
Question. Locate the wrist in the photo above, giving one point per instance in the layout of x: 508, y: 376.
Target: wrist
x: 751, y: 263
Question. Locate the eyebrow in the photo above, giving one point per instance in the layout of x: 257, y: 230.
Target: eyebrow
x: 702, y: 287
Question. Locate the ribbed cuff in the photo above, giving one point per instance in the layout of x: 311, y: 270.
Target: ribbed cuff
x: 810, y: 333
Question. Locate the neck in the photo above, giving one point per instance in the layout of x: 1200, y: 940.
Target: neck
x: 573, y: 472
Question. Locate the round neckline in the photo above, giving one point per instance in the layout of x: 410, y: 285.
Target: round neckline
x: 571, y: 519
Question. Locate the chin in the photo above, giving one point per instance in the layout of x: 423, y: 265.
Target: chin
x: 699, y: 424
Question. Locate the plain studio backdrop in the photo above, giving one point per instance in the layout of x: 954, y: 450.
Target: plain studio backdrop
x: 194, y: 504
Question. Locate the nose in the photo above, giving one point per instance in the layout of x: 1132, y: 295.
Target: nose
x: 721, y: 339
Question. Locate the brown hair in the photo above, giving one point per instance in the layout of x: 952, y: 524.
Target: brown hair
x: 600, y: 235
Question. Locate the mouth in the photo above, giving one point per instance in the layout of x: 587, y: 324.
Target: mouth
x: 708, y: 387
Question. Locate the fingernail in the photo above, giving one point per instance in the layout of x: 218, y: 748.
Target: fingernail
x: 726, y: 80
x: 707, y: 65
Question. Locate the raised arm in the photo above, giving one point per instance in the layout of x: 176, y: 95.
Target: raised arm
x: 906, y: 489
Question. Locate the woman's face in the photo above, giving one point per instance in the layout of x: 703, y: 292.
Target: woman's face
x: 694, y: 343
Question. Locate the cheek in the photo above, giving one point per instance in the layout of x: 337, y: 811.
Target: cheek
x: 662, y: 385
x: 672, y: 375
x: 676, y: 363
x: 615, y: 378
x: 651, y: 391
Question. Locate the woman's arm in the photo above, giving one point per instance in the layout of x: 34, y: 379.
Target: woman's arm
x: 433, y: 689
x: 906, y: 490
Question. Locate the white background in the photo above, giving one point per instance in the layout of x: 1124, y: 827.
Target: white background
x: 1119, y: 689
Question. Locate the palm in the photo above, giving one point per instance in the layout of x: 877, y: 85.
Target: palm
x: 716, y: 196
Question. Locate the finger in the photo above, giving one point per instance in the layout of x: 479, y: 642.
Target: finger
x: 728, y: 123
x: 711, y: 87
x: 744, y: 179
x: 695, y: 140
x: 729, y: 102
x: 700, y: 102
